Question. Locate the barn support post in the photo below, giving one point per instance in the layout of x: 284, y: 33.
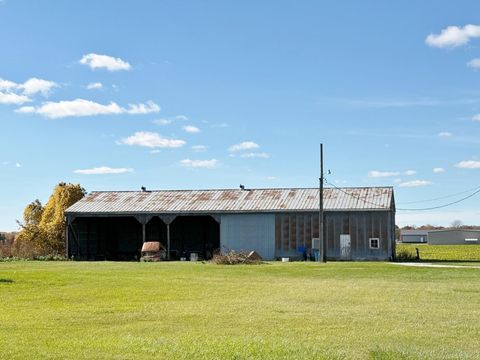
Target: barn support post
x: 168, y: 241
x: 67, y: 228
x: 143, y: 220
x: 168, y: 219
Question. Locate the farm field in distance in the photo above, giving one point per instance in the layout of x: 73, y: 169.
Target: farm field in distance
x: 450, y: 253
x: 303, y: 310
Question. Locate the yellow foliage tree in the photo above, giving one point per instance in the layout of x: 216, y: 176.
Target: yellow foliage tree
x: 43, y: 227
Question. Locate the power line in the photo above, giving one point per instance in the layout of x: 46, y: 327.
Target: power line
x: 402, y: 209
x: 441, y: 197
x: 444, y: 205
x: 356, y: 197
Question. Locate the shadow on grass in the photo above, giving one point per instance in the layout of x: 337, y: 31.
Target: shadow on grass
x: 6, y: 281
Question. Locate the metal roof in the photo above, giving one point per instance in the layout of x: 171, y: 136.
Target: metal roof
x: 457, y: 230
x: 414, y: 232
x: 232, y: 201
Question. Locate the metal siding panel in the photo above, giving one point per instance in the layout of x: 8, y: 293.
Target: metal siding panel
x: 249, y: 232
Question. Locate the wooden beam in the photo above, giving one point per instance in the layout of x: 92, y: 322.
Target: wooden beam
x: 168, y: 241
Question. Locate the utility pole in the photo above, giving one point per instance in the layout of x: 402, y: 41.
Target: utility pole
x: 323, y: 247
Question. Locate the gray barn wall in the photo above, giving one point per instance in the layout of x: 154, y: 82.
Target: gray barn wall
x: 453, y: 237
x: 249, y: 232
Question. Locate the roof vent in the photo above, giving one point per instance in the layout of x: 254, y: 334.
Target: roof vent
x: 144, y: 189
x: 242, y: 187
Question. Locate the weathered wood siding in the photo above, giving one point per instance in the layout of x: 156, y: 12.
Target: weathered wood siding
x: 296, y: 230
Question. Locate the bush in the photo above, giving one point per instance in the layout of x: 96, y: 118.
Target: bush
x: 406, y: 255
x: 233, y: 258
x: 5, y: 250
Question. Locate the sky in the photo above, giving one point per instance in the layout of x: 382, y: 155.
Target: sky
x: 116, y: 95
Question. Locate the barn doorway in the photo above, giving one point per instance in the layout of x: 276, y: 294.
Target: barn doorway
x: 105, y: 238
x: 194, y: 234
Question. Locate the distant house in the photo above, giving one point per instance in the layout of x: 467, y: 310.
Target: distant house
x: 413, y: 236
x: 359, y: 223
x: 453, y: 237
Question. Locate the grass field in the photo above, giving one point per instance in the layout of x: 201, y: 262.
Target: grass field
x: 463, y: 253
x: 104, y: 310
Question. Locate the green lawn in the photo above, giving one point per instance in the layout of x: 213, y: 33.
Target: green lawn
x: 104, y: 310
x: 428, y: 252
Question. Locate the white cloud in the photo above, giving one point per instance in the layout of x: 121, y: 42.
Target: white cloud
x: 103, y: 170
x: 7, y: 84
x: 12, y: 98
x: 476, y: 117
x: 181, y: 117
x: 246, y: 145
x: 206, y: 164
x: 191, y: 129
x: 255, y: 155
x: 34, y: 85
x: 149, y: 107
x: 82, y: 107
x: 272, y: 178
x: 468, y: 164
x: 18, y: 165
x: 415, y: 183
x: 474, y: 63
x: 453, y: 36
x: 438, y: 170
x: 410, y: 172
x: 162, y: 121
x: 151, y: 140
x: 445, y: 134
x: 199, y: 148
x: 397, y: 180
x: 12, y: 90
x: 96, y: 61
x: 94, y: 85
x: 378, y: 174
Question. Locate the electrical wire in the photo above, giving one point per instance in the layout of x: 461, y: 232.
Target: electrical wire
x: 441, y: 197
x: 355, y: 197
x: 404, y: 209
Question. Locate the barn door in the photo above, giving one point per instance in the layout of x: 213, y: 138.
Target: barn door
x: 345, y: 247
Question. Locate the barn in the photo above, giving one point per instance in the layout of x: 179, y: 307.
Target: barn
x: 413, y: 236
x: 453, y: 237
x: 359, y: 223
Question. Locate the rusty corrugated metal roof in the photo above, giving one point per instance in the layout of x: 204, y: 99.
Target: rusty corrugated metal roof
x: 232, y: 201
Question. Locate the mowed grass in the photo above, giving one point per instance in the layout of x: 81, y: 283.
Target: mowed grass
x: 465, y: 253
x: 105, y: 310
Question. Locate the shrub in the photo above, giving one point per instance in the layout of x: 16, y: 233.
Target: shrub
x: 406, y: 255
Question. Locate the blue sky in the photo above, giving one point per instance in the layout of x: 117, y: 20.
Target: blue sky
x: 210, y: 94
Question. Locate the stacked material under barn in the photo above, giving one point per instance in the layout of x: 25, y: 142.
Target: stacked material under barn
x: 359, y: 222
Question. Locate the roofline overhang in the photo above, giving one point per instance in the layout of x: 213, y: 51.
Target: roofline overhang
x: 216, y: 212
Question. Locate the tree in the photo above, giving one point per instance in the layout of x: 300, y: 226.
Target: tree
x: 457, y: 224
x: 43, y: 227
